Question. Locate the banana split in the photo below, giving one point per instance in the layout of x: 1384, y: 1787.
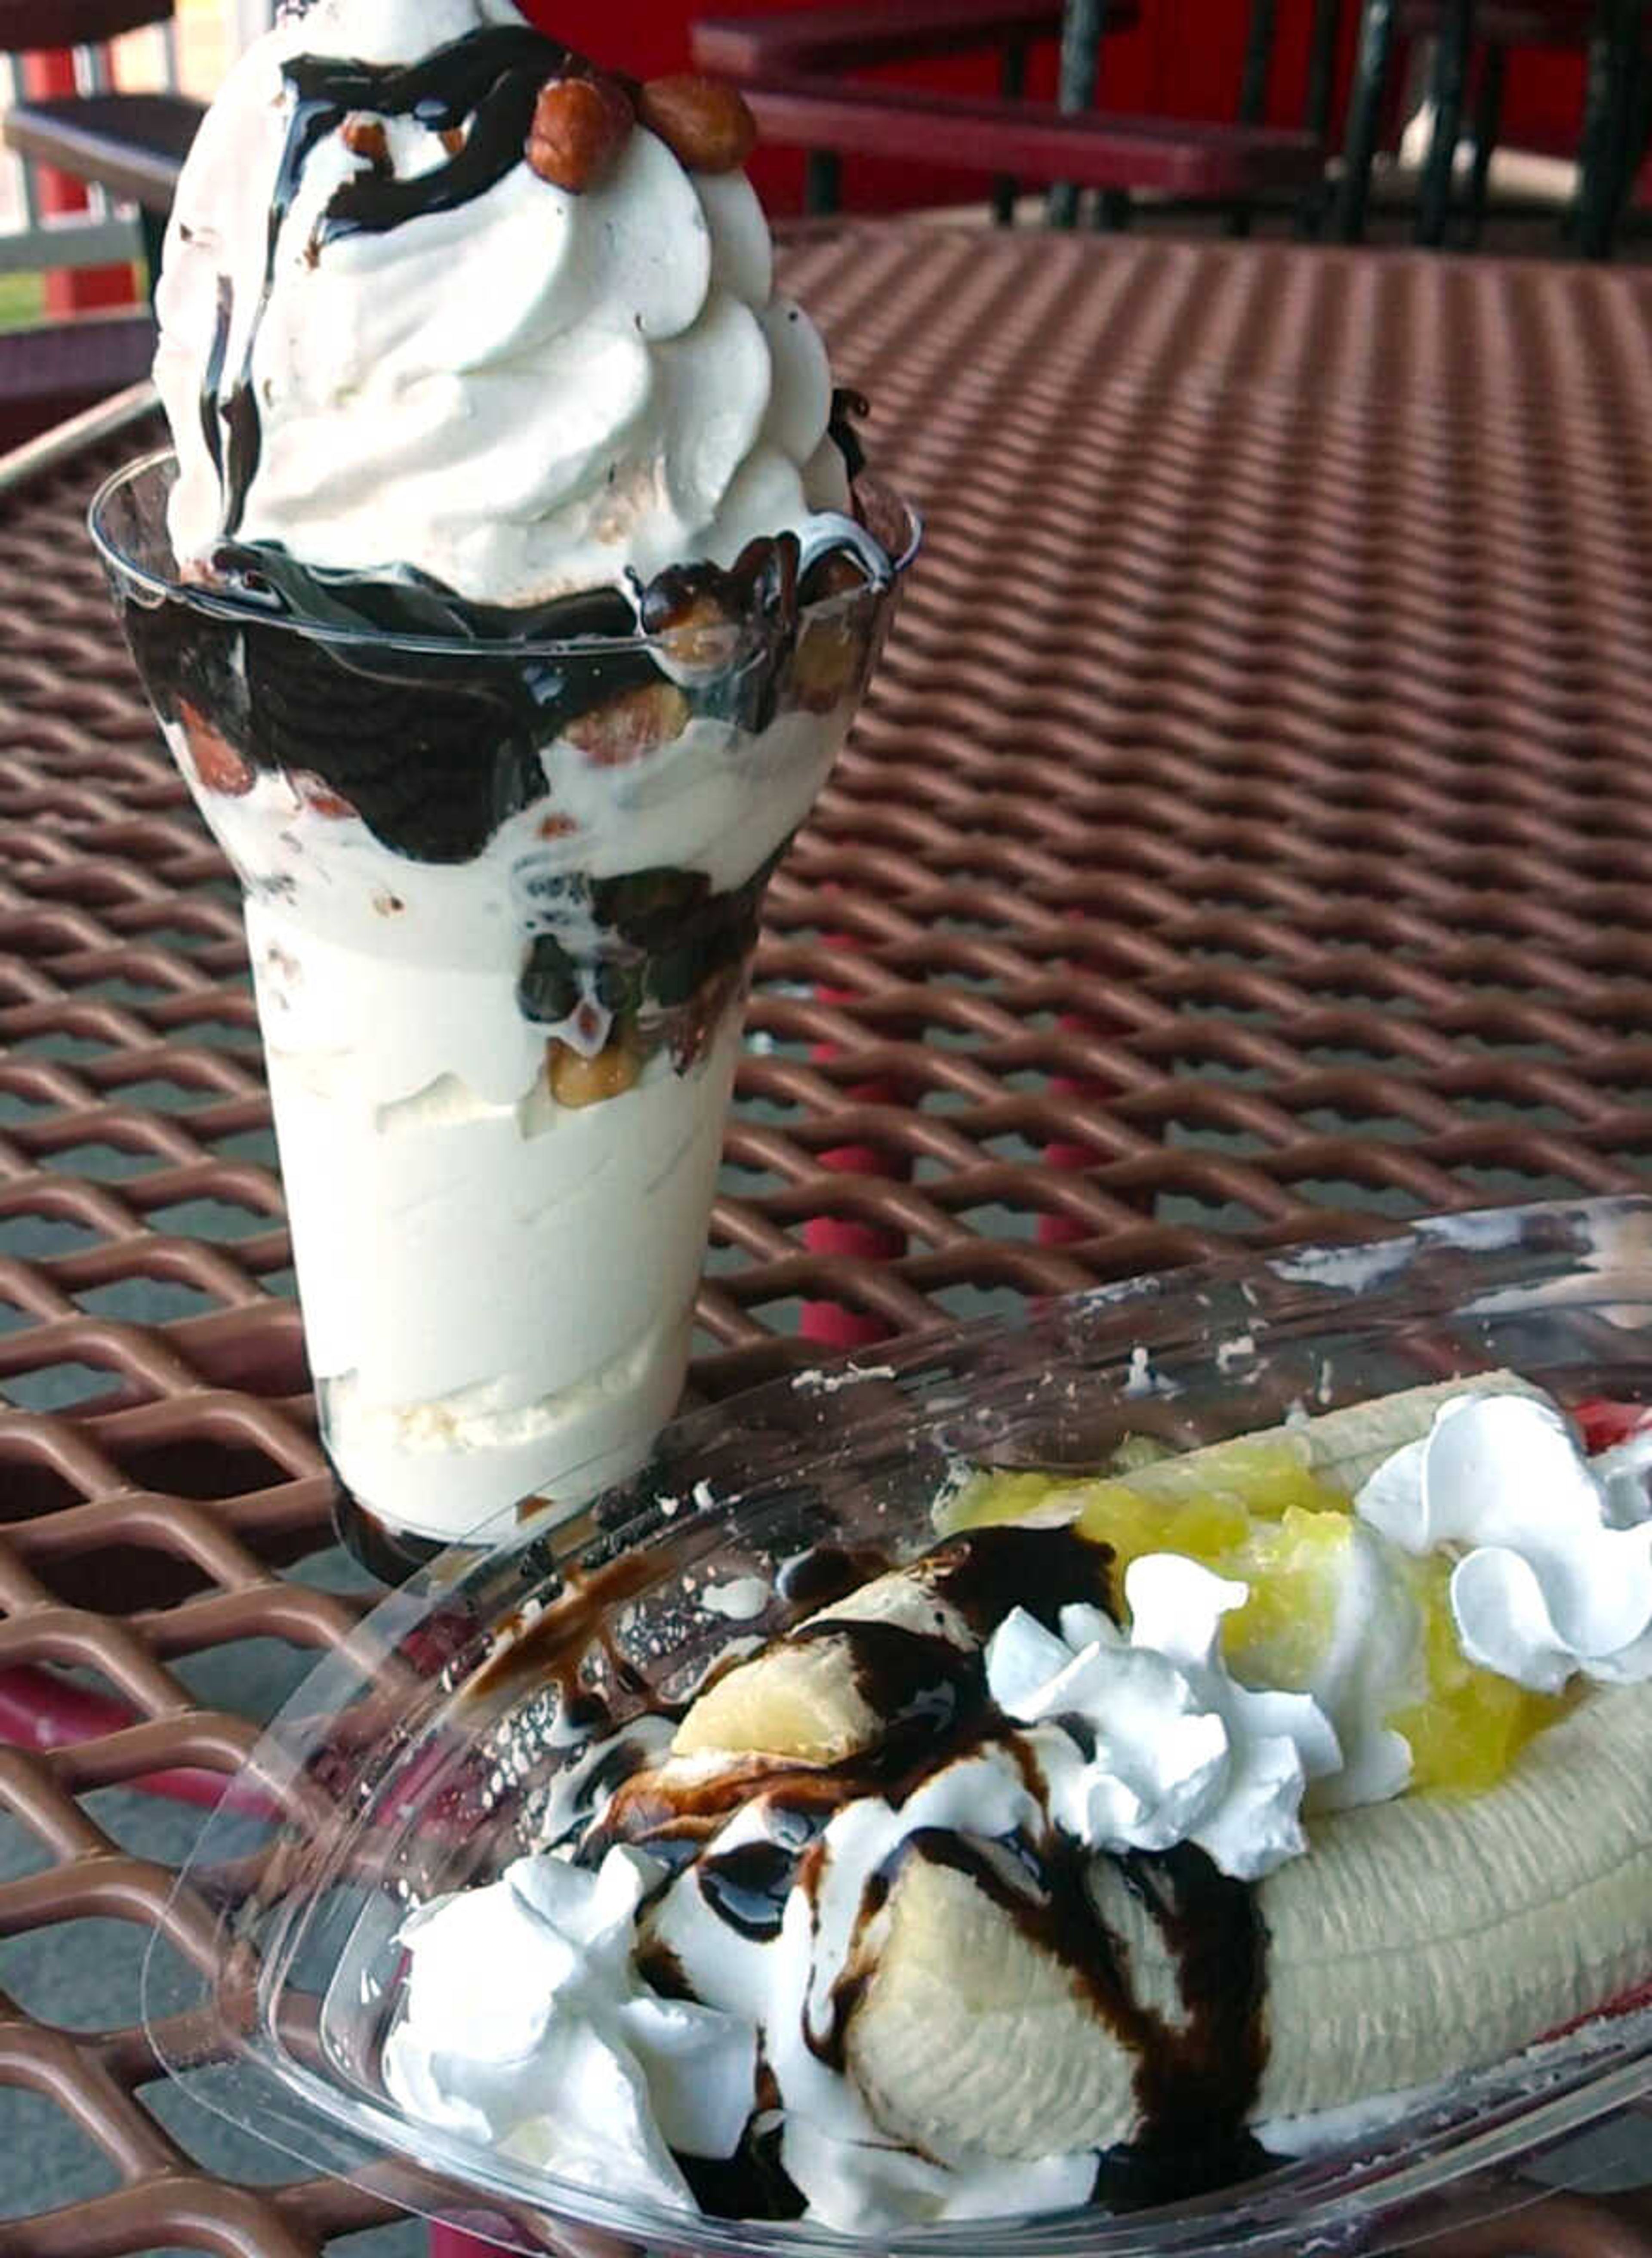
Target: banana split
x: 1104, y: 1851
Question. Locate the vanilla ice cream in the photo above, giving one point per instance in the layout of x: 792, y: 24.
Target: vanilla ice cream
x: 518, y: 595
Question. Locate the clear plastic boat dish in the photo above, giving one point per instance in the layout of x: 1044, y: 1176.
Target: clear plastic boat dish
x: 418, y: 1760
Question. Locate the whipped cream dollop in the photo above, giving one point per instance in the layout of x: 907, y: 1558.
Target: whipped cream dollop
x: 1555, y: 1570
x: 1170, y: 1749
x: 516, y: 390
x: 526, y: 2026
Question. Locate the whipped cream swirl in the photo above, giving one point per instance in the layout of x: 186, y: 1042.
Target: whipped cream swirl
x: 520, y: 392
x: 1555, y: 1572
x: 1170, y: 1749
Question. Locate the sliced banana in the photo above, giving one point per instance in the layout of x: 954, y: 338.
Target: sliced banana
x: 1346, y: 1447
x: 1418, y: 1939
x: 800, y: 1700
x: 969, y: 2034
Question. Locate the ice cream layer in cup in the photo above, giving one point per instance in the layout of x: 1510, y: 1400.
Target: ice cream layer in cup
x: 504, y: 598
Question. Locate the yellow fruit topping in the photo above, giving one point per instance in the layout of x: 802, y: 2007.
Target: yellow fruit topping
x: 1295, y: 1568
x: 1209, y: 1506
x: 1257, y: 1513
x: 1472, y: 1723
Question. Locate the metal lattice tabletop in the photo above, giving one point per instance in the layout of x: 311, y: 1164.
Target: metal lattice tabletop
x: 1247, y: 835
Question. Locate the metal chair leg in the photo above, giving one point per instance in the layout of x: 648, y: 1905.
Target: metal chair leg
x: 1082, y: 26
x: 1313, y: 210
x: 1258, y: 62
x: 1365, y: 116
x: 1450, y: 76
x: 1012, y: 84
x: 1259, y: 58
x: 1629, y: 137
x: 1605, y: 156
x: 822, y: 183
x: 1322, y: 67
x: 1488, y: 118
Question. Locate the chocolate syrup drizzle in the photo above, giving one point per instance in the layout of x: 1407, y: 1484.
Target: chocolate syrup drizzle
x: 491, y: 77
x: 1197, y: 2073
x: 487, y: 83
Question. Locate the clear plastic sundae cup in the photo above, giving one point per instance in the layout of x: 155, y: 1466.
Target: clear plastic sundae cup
x: 501, y: 893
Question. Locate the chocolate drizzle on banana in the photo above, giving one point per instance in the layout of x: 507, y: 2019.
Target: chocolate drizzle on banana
x: 1197, y: 2061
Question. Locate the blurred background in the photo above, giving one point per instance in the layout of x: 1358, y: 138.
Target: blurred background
x: 65, y: 248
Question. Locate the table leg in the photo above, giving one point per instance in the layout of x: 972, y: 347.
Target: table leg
x: 1012, y: 84
x: 822, y: 183
x: 1322, y: 67
x: 1258, y: 62
x: 1259, y: 58
x: 1607, y: 151
x: 831, y: 1323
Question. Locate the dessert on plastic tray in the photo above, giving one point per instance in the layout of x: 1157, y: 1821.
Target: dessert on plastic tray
x: 1149, y: 1825
x: 506, y: 607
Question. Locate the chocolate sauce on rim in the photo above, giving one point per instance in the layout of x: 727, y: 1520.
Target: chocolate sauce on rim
x: 827, y: 1573
x: 847, y: 409
x: 987, y: 1572
x: 551, y: 1647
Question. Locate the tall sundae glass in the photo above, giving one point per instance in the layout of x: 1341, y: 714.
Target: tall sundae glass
x: 504, y: 598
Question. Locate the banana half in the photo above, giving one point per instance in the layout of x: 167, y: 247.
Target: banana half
x: 1417, y: 1939
x: 1012, y: 2013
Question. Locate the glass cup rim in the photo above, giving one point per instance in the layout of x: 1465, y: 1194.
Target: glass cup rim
x: 154, y: 588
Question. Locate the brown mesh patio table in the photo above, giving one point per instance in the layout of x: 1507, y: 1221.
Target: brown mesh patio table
x: 1247, y: 841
